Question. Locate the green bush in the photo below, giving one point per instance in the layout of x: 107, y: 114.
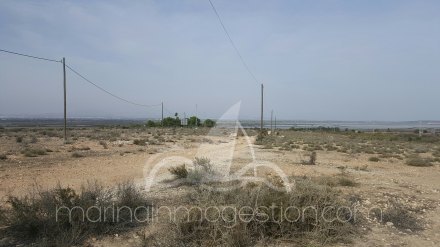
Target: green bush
x: 193, y: 121
x: 171, y: 122
x: 209, y: 123
x: 151, y: 124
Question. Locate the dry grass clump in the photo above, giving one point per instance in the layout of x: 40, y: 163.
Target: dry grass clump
x: 103, y: 144
x: 418, y: 161
x: 43, y: 218
x: 179, y: 172
x: 335, y: 181
x: 345, y: 181
x: 363, y: 168
x: 33, y: 152
x: 257, y: 213
x: 373, y: 159
x: 312, y: 159
x: 140, y: 142
x: 201, y: 171
x: 401, y: 217
x: 77, y: 155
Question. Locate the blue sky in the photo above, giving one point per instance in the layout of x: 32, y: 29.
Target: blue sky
x: 318, y: 60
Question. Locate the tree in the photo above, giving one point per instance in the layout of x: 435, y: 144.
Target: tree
x: 171, y: 122
x: 194, y: 121
x: 209, y: 123
x: 151, y: 123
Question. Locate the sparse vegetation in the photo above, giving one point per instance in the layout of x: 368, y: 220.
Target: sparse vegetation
x: 180, y: 172
x: 418, y: 161
x: 140, y: 142
x: 3, y: 157
x: 194, y: 230
x: 19, y: 139
x: 33, y: 152
x: 373, y: 159
x: 57, y: 217
x: 103, y: 144
x: 201, y: 171
x: 77, y: 155
x: 312, y: 159
x: 345, y: 181
x: 401, y: 217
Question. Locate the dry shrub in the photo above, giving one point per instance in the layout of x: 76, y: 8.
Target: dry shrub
x: 418, y: 161
x: 312, y: 159
x: 202, y: 171
x: 77, y: 155
x: 401, y: 217
x: 103, y: 144
x: 179, y: 172
x: 341, y: 180
x: 373, y: 159
x: 3, y: 157
x: 265, y: 222
x: 33, y: 152
x: 140, y: 142
x: 43, y: 217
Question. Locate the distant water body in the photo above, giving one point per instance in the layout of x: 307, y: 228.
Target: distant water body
x: 356, y: 125
x: 280, y: 124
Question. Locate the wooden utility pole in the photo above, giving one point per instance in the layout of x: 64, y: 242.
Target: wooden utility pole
x: 275, y: 122
x: 162, y: 115
x: 261, y: 120
x: 65, y: 101
x: 271, y: 120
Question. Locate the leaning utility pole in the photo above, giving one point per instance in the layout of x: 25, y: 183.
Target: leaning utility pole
x: 261, y: 121
x: 65, y: 102
x: 275, y: 122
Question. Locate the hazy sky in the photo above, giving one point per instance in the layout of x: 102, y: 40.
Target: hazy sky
x: 318, y: 60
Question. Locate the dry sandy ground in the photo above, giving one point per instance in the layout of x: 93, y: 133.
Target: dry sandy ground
x: 378, y: 184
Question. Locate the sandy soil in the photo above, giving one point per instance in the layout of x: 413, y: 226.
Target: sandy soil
x: 379, y: 182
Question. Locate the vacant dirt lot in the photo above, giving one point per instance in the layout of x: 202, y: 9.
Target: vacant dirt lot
x: 373, y: 170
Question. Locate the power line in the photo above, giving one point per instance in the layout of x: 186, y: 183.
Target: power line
x: 232, y: 42
x: 109, y: 93
x: 168, y: 111
x: 30, y: 56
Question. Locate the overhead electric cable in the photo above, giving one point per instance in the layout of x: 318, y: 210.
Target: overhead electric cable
x: 232, y: 43
x: 30, y: 56
x: 107, y: 92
